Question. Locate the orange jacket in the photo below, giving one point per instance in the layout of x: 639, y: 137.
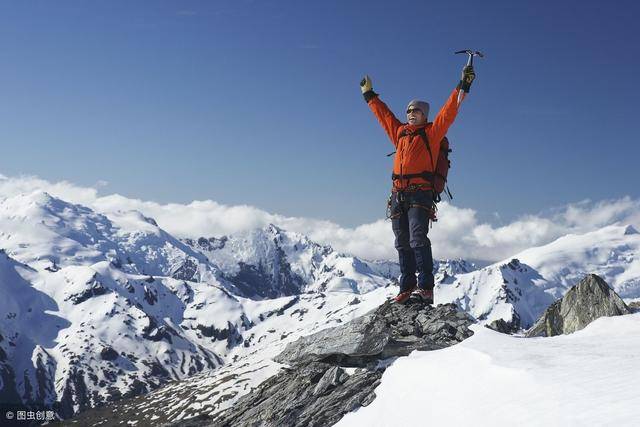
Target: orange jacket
x: 412, y: 156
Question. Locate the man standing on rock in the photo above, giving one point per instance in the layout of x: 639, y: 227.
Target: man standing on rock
x: 412, y: 204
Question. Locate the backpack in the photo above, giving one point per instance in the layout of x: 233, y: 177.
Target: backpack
x: 442, y: 169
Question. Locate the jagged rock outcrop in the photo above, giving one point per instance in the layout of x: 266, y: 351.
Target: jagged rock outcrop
x: 188, y: 270
x: 336, y: 371
x: 314, y: 394
x: 389, y: 331
x: 582, y: 304
x: 501, y: 325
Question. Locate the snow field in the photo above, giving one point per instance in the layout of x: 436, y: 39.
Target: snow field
x: 590, y: 377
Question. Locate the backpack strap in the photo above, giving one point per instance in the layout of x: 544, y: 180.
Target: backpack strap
x: 427, y: 176
x: 423, y: 134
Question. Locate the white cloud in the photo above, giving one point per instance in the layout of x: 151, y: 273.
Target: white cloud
x: 458, y: 233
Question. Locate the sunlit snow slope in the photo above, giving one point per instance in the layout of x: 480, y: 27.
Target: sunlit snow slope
x: 590, y: 378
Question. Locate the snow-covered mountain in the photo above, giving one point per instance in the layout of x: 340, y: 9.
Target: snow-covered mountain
x: 95, y: 307
x: 212, y: 392
x: 270, y: 262
x: 534, y: 368
x: 518, y: 289
x: 99, y: 307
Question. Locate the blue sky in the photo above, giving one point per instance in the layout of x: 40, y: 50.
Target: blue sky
x: 257, y: 102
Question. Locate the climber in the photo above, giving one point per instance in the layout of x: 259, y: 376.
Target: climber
x: 412, y: 201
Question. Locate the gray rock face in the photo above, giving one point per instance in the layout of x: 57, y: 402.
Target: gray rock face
x: 500, y: 325
x: 314, y: 394
x: 318, y: 390
x: 581, y: 305
x: 390, y: 330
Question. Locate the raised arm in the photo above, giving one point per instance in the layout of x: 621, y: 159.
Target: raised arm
x: 445, y: 117
x: 449, y: 110
x: 384, y: 115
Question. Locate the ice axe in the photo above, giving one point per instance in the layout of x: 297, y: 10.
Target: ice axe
x: 469, y: 62
x: 471, y: 55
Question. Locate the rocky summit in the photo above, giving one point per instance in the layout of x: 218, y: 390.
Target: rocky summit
x: 336, y: 370
x: 582, y: 304
x: 389, y: 331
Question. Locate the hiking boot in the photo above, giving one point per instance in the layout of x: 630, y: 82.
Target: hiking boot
x: 404, y: 296
x: 426, y: 295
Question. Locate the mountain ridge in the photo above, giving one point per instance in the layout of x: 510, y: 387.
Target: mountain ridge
x: 135, y: 308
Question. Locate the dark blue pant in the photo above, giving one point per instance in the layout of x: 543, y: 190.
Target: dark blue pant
x: 410, y: 223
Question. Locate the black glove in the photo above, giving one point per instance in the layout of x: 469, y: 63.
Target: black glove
x: 468, y: 75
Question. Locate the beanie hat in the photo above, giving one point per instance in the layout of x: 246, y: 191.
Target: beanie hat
x: 420, y: 105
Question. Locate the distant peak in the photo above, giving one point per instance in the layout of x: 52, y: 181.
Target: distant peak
x: 272, y: 228
x: 40, y: 196
x: 629, y: 229
x: 42, y: 199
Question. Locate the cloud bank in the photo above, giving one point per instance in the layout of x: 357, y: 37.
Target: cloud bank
x: 457, y: 234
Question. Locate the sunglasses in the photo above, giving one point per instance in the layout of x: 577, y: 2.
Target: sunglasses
x: 414, y: 110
